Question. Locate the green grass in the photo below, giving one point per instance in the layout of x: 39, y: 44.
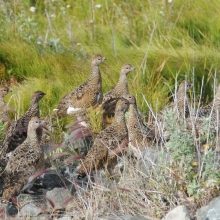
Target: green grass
x: 51, y: 49
x: 54, y: 45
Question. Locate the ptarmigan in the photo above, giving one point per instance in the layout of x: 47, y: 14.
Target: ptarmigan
x: 26, y: 160
x: 180, y: 105
x: 106, y: 147
x: 140, y: 136
x: 212, y: 109
x: 87, y: 95
x: 4, y: 108
x: 110, y: 98
x: 17, y: 132
x: 182, y: 100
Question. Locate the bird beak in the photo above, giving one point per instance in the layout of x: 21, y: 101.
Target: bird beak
x: 43, y: 125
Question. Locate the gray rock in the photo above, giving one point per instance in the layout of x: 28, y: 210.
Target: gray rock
x: 213, y: 211
x: 180, y: 212
x: 65, y: 218
x: 42, y: 217
x: 11, y: 210
x: 57, y: 196
x: 30, y: 209
x: 50, y: 181
x: 38, y: 200
x: 201, y: 213
x: 124, y: 217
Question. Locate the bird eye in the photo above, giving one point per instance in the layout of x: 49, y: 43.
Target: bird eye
x: 99, y: 59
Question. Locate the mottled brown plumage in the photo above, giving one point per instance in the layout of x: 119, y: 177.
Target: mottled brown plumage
x: 212, y: 109
x: 182, y: 102
x: 103, y: 153
x: 110, y: 98
x: 140, y: 135
x: 26, y: 160
x: 4, y: 108
x: 84, y: 96
x: 180, y: 105
x: 17, y: 132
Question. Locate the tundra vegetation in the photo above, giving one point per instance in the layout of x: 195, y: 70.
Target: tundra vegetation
x: 48, y: 45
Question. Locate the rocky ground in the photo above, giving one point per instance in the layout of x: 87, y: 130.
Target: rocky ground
x: 54, y: 190
x: 56, y: 195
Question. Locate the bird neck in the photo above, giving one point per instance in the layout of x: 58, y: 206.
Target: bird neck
x: 34, y: 105
x: 95, y: 75
x: 2, y: 102
x: 133, y: 113
x: 122, y: 85
x: 94, y: 70
x: 133, y: 109
x: 32, y: 111
x: 119, y: 116
x: 32, y: 136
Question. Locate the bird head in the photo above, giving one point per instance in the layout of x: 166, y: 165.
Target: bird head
x: 36, y: 123
x: 98, y: 59
x: 131, y: 99
x: 127, y: 68
x: 185, y: 86
x: 4, y: 90
x: 37, y: 96
x: 122, y: 105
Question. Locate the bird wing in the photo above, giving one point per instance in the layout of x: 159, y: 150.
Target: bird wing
x: 24, y: 159
x: 108, y: 97
x: 205, y: 111
x: 79, y: 91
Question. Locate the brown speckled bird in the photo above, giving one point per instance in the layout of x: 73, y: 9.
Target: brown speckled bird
x: 26, y: 160
x: 17, y: 132
x: 106, y: 147
x: 182, y: 101
x: 212, y: 109
x: 180, y: 104
x: 4, y: 108
x: 84, y: 96
x: 110, y: 98
x: 140, y: 135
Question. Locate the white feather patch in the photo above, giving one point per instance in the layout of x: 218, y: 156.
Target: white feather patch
x: 72, y: 110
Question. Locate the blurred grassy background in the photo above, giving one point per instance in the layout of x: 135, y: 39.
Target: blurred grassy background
x: 48, y: 45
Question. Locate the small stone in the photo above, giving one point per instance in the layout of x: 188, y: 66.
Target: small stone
x: 124, y: 217
x: 65, y: 218
x: 43, y: 217
x: 58, y: 197
x: 11, y: 210
x: 201, y: 213
x: 30, y: 209
x: 213, y: 211
x: 180, y: 212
